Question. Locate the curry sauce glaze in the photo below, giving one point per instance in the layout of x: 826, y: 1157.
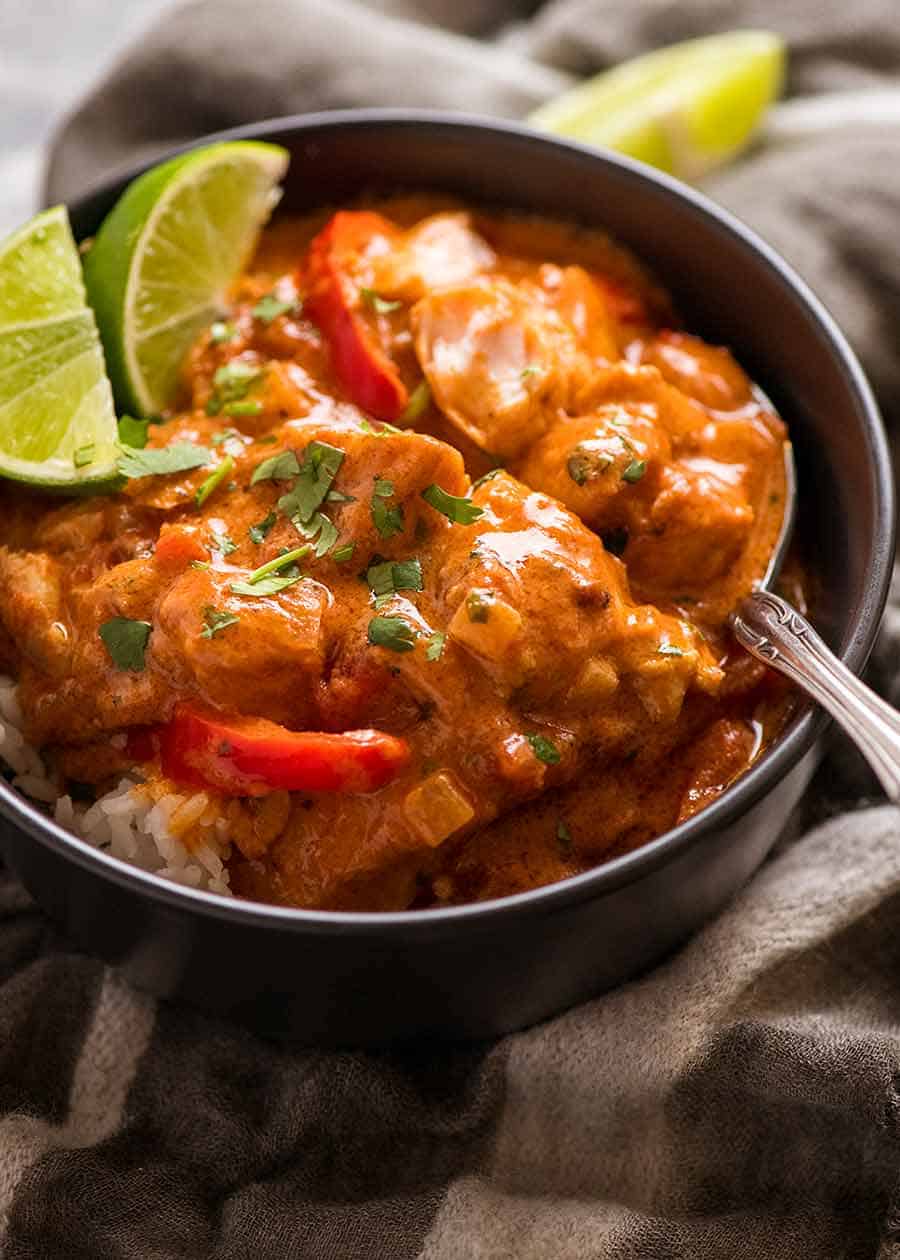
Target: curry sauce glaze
x: 571, y: 690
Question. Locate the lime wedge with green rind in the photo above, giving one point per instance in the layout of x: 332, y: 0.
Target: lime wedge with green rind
x: 686, y: 109
x: 57, y: 423
x: 160, y: 269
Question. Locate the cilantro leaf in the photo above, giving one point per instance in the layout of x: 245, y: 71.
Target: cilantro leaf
x: 388, y: 521
x: 319, y: 469
x: 380, y: 305
x: 544, y: 749
x: 435, y: 649
x: 328, y: 535
x: 179, y: 457
x: 270, y: 307
x: 417, y: 405
x: 216, y: 621
x: 250, y: 408
x: 133, y: 432
x: 460, y: 511
x: 214, y: 480
x: 393, y: 633
x: 635, y: 471
x: 344, y: 553
x: 280, y: 467
x: 257, y: 532
x: 232, y: 382
x: 283, y: 561
x: 385, y: 431
x: 218, y: 438
x: 126, y: 642
x: 390, y: 576
x: 321, y: 528
x: 223, y: 544
x: 266, y: 586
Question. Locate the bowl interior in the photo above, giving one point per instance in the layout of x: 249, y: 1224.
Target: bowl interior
x: 731, y: 289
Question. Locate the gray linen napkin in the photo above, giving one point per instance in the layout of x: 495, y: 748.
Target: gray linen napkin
x: 741, y: 1100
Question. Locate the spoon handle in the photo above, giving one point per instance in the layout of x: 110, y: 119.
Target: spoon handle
x: 770, y: 629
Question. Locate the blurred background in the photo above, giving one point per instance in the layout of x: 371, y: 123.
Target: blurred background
x: 50, y: 52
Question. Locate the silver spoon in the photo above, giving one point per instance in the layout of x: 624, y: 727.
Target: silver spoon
x: 774, y: 632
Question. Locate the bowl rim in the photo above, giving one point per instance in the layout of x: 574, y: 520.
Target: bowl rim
x: 782, y: 755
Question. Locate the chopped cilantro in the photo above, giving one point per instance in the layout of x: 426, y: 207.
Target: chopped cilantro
x: 544, y: 749
x: 133, y: 432
x: 670, y: 649
x: 335, y: 496
x: 266, y: 586
x: 270, y: 307
x: 257, y: 532
x: 635, y: 471
x: 250, y: 408
x: 478, y: 606
x: 488, y: 476
x: 577, y: 467
x: 126, y: 642
x: 583, y: 464
x: 393, y: 633
x: 435, y: 649
x: 387, y: 520
x: 343, y: 553
x: 320, y: 528
x: 222, y: 331
x: 214, y: 480
x: 214, y: 620
x: 385, y: 431
x: 280, y: 467
x: 179, y: 457
x: 218, y: 438
x: 383, y: 488
x: 460, y: 511
x: 276, y: 575
x: 380, y: 305
x: 231, y: 383
x: 223, y: 544
x: 321, y: 463
x: 417, y: 405
x: 328, y: 536
x: 530, y: 370
x: 394, y: 575
x: 280, y: 562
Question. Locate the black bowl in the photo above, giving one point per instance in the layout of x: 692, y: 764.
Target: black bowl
x: 480, y: 970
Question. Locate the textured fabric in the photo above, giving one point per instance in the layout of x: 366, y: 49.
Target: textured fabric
x: 741, y: 1100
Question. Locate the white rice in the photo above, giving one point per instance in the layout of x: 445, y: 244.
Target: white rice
x: 125, y: 821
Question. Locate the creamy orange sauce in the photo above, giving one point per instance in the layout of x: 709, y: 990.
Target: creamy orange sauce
x: 571, y: 690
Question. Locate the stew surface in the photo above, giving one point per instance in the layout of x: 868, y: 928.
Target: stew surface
x: 537, y: 668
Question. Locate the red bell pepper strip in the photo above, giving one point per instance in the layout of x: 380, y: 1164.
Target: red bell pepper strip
x: 363, y: 369
x: 246, y: 756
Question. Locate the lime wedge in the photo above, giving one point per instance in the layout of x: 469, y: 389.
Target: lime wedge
x: 57, y: 424
x: 686, y: 109
x: 166, y: 255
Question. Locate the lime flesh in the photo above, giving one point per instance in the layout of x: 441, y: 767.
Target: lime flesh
x: 686, y: 109
x: 57, y: 423
x: 166, y: 256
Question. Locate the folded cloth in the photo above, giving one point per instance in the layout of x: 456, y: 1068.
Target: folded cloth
x: 741, y: 1100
